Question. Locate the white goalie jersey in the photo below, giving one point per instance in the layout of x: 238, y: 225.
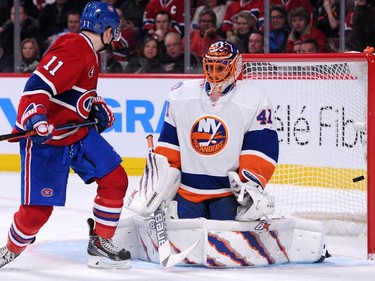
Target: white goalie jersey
x: 206, y: 141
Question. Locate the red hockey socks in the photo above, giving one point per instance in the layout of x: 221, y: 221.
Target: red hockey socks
x: 26, y: 223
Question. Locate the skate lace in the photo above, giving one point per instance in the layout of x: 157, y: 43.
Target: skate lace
x: 109, y: 246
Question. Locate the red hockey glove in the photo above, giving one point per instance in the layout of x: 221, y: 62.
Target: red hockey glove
x: 101, y: 111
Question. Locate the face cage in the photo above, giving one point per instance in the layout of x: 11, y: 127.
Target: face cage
x: 218, y: 71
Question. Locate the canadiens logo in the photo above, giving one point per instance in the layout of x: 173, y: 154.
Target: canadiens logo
x: 84, y: 103
x: 209, y: 135
x: 47, y: 192
x: 91, y: 72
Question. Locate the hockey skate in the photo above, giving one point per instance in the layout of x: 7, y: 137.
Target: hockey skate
x: 104, y: 254
x: 6, y: 256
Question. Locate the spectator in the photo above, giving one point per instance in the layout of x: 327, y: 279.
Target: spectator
x: 133, y: 11
x: 216, y: 6
x: 279, y: 29
x: 254, y: 7
x: 173, y: 60
x: 205, y: 35
x: 29, y: 55
x: 256, y: 43
x: 244, y: 26
x: 363, y: 29
x: 329, y: 18
x: 30, y: 8
x: 148, y: 59
x: 174, y: 7
x: 299, y: 20
x: 350, y: 6
x: 297, y: 46
x: 5, y: 7
x: 125, y: 47
x: 73, y: 25
x: 112, y: 65
x: 53, y: 19
x: 29, y: 29
x: 77, y: 5
x: 292, y: 4
x: 162, y: 26
x: 309, y: 46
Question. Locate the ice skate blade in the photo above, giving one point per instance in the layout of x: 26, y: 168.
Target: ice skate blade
x: 105, y: 263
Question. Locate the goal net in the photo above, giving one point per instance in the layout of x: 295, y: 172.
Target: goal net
x: 320, y: 109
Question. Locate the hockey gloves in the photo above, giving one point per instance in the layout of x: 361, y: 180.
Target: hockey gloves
x: 254, y: 203
x: 34, y: 118
x: 102, y: 113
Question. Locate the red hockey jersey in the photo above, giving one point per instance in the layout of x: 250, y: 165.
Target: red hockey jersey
x: 64, y: 83
x: 174, y: 7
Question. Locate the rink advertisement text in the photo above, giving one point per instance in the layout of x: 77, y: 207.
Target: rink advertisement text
x: 303, y: 122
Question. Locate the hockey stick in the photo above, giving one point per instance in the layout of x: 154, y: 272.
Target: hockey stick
x: 166, y: 258
x: 18, y: 135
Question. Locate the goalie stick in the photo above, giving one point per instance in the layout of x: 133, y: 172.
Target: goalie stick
x: 18, y: 135
x: 166, y: 258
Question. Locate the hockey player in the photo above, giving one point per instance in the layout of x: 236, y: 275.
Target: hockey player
x: 62, y: 90
x: 204, y: 183
x: 214, y: 129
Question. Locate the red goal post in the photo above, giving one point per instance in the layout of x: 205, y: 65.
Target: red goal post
x: 324, y: 113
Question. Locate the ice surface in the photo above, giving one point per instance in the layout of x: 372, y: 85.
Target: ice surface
x: 59, y: 252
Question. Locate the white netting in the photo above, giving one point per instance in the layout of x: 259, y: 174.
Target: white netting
x: 315, y: 107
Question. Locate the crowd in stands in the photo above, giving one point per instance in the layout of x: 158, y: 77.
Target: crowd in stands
x: 153, y: 31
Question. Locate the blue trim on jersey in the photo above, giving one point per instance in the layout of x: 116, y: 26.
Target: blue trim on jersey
x: 36, y: 83
x: 71, y: 97
x: 265, y: 141
x: 204, y: 182
x: 168, y: 134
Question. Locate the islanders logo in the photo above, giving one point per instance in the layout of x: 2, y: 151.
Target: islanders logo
x: 209, y: 135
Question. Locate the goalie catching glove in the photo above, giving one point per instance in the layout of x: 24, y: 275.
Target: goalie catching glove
x: 35, y: 118
x: 254, y: 203
x: 101, y: 112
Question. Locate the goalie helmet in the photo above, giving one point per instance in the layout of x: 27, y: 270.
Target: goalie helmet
x: 98, y: 16
x: 222, y: 64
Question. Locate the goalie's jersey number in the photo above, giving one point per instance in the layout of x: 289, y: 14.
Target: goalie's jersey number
x: 209, y: 135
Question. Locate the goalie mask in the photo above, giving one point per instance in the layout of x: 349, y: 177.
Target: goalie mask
x: 222, y: 64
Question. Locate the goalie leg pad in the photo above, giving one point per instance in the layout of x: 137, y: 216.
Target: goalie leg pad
x: 158, y: 183
x: 230, y: 244
x: 308, y: 242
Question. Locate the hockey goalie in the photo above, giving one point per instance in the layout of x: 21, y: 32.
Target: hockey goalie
x: 202, y: 199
